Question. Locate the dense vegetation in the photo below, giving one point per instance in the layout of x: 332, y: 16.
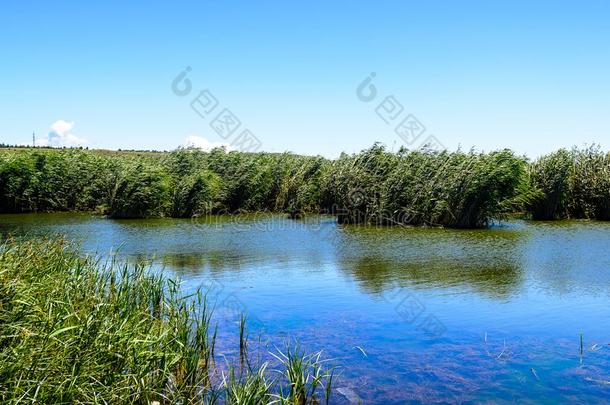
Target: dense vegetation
x: 571, y: 184
x: 423, y: 187
x: 183, y: 183
x: 463, y: 190
x: 72, y: 331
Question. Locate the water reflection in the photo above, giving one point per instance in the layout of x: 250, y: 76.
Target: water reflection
x: 530, y: 287
x: 376, y: 274
x: 559, y: 257
x: 487, y: 262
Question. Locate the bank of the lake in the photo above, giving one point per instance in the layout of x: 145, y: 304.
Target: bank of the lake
x: 73, y: 330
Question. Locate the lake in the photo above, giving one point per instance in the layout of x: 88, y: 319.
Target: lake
x: 407, y: 314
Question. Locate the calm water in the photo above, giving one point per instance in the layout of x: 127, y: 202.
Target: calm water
x: 410, y: 314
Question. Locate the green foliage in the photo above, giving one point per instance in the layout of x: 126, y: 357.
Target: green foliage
x: 462, y: 190
x: 357, y: 184
x: 590, y: 184
x: 139, y: 191
x: 17, y: 183
x: 572, y: 184
x: 195, y: 194
x: 74, y: 332
x: 266, y: 181
x: 550, y: 179
x: 421, y: 187
x: 305, y: 375
x: 249, y: 389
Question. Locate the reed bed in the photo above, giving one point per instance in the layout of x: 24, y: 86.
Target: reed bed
x: 75, y: 330
x: 425, y: 187
x: 376, y: 186
x: 183, y: 183
x: 549, y: 177
x: 571, y: 184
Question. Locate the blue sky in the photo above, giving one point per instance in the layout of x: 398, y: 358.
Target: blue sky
x: 531, y: 76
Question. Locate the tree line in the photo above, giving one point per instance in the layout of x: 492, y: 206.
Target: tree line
x: 413, y: 187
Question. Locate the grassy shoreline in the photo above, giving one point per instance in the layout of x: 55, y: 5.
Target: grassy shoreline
x: 422, y: 187
x: 74, y: 330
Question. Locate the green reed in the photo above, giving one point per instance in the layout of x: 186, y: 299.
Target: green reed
x: 375, y: 186
x: 425, y: 187
x: 242, y: 339
x: 74, y: 330
x: 305, y: 374
x: 571, y: 184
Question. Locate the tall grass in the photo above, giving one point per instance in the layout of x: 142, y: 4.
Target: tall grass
x: 183, y: 183
x: 421, y: 187
x: 461, y: 190
x: 305, y: 375
x: 590, y: 184
x: 550, y: 178
x: 571, y: 184
x: 73, y: 330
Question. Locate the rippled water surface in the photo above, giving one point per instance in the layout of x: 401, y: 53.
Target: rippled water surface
x: 410, y: 314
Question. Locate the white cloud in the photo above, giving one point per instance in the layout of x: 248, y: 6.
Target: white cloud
x: 61, y: 135
x: 199, y: 142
